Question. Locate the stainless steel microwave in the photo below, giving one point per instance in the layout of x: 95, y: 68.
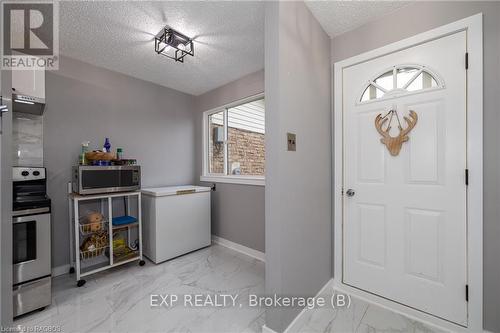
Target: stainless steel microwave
x: 105, y: 179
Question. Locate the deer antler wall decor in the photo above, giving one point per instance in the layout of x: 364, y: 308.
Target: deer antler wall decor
x: 394, y: 143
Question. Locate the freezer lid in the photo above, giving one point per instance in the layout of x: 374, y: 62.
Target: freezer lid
x: 174, y: 190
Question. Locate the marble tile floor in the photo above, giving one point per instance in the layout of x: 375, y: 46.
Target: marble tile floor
x: 118, y: 300
x: 359, y: 317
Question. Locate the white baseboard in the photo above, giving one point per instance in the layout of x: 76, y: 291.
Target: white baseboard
x: 239, y: 248
x: 60, y: 270
x: 289, y: 328
x: 266, y: 329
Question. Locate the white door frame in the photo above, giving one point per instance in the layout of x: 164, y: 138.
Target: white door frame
x: 473, y: 25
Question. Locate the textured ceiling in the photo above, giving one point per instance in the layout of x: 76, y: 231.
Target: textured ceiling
x: 337, y: 17
x: 229, y: 39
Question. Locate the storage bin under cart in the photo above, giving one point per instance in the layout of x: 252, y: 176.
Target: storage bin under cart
x: 112, y: 239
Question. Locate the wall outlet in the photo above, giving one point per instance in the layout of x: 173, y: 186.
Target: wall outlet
x: 291, y: 141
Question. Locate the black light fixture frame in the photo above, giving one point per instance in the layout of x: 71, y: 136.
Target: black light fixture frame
x: 161, y: 43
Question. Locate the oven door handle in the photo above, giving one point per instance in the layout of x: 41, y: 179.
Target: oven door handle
x: 34, y: 211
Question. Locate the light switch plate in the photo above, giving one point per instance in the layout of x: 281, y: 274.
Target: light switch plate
x: 291, y: 141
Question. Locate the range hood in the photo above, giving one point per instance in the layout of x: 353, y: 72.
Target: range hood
x: 28, y: 104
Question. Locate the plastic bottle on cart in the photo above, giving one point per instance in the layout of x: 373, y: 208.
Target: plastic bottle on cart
x: 85, y: 149
x: 107, y: 146
x: 119, y: 153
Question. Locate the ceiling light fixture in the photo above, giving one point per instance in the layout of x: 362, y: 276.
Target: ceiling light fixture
x: 174, y: 45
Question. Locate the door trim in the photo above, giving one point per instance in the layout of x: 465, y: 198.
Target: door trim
x: 473, y: 25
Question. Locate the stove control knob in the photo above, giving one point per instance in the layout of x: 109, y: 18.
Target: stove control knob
x: 36, y: 173
x: 25, y: 173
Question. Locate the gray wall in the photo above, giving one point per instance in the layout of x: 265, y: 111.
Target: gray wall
x: 298, y: 184
x: 238, y: 214
x: 423, y: 16
x: 151, y: 123
x: 6, y: 203
x: 237, y: 210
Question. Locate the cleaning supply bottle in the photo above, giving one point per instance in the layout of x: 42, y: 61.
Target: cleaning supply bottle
x: 119, y: 153
x: 107, y: 146
x: 85, y: 149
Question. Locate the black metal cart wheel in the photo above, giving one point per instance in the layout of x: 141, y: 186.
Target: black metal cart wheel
x: 71, y: 270
x: 142, y: 263
x: 80, y: 283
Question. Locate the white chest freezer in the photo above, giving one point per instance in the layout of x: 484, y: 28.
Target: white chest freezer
x: 175, y: 221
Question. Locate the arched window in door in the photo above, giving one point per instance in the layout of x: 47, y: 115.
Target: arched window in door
x: 400, y: 80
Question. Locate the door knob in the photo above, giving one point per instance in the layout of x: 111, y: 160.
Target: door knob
x: 350, y: 192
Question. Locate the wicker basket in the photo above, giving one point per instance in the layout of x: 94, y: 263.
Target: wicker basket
x: 99, y: 156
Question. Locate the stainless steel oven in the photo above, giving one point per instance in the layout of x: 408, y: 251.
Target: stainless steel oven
x: 31, y: 253
x: 31, y: 247
x: 104, y: 179
x: 31, y: 240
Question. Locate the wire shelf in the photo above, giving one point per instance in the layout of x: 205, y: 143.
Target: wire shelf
x: 84, y: 255
x: 91, y: 242
x: 90, y: 228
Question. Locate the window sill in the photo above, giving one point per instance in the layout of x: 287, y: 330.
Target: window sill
x: 243, y: 180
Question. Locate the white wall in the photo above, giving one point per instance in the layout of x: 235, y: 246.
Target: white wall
x: 298, y: 184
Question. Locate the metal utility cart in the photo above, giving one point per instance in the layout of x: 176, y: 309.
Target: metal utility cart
x: 112, y: 235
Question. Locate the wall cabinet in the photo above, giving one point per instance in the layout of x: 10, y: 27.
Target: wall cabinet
x: 29, y: 82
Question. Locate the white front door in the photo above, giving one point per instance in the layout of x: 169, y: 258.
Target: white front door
x: 404, y: 224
